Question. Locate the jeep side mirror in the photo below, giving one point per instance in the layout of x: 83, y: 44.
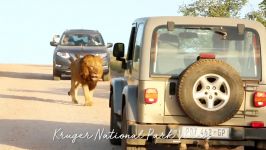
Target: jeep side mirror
x: 118, y: 50
x: 109, y: 45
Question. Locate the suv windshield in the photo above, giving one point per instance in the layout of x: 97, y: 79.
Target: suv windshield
x: 82, y: 40
x: 173, y: 51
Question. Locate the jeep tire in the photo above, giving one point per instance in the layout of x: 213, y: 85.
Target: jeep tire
x: 210, y: 91
x: 56, y: 75
x: 106, y: 77
x: 113, y: 125
x: 124, y: 145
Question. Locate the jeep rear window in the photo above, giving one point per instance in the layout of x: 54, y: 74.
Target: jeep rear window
x: 173, y: 51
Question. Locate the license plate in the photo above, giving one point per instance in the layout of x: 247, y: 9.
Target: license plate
x: 205, y: 132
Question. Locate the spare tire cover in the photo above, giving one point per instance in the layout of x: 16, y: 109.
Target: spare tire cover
x: 210, y: 91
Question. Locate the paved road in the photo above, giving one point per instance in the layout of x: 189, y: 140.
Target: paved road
x: 37, y: 113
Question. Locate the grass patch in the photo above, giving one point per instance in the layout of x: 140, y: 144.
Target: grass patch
x: 116, y: 67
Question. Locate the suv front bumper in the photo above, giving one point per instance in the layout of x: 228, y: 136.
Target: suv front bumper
x: 62, y: 66
x: 243, y: 136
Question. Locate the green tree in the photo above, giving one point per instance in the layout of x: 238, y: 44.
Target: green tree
x: 213, y: 8
x: 223, y: 8
x: 259, y: 15
x: 263, y: 6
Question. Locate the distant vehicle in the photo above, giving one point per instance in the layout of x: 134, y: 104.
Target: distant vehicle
x: 190, y: 81
x: 77, y: 43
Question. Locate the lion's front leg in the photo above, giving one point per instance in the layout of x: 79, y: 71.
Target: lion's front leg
x: 74, y: 91
x: 88, y: 95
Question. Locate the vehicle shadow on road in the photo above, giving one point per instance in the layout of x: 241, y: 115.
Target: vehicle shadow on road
x: 26, y: 75
x: 31, y: 98
x: 39, y: 134
x: 56, y: 91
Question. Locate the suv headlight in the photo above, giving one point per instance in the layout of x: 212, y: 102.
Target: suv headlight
x: 63, y: 54
x: 102, y: 55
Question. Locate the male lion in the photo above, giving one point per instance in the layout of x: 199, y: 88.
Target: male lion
x: 85, y: 71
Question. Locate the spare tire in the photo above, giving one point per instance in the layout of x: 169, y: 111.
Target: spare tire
x: 210, y: 91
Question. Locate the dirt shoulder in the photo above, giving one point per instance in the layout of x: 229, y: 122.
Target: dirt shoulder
x: 37, y: 113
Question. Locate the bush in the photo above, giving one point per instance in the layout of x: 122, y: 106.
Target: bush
x: 116, y: 69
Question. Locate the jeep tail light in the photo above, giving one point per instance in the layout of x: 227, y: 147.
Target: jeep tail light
x: 257, y: 124
x: 207, y: 56
x: 260, y: 99
x: 150, y: 96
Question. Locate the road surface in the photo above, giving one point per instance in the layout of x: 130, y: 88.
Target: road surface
x: 37, y: 113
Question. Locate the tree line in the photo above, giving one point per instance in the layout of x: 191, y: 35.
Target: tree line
x: 223, y: 8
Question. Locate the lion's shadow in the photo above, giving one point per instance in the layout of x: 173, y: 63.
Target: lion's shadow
x: 32, y: 98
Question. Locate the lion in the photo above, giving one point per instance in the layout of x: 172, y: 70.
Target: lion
x: 86, y: 71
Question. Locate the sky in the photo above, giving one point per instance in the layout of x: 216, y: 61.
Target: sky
x: 27, y: 26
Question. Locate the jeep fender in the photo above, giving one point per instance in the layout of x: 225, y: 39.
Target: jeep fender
x: 130, y: 94
x: 117, y: 86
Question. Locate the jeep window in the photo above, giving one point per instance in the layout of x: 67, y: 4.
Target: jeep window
x: 82, y: 40
x: 131, y: 46
x: 137, y: 47
x: 173, y: 51
x: 131, y: 43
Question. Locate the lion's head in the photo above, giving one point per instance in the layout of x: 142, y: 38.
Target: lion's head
x: 91, y: 68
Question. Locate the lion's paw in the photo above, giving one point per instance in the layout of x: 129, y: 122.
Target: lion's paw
x: 88, y: 103
x: 74, y: 101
